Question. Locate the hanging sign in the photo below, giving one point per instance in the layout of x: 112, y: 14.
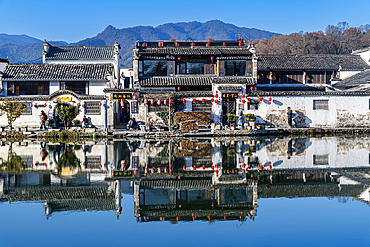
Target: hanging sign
x: 230, y: 95
x: 134, y: 107
x: 122, y: 95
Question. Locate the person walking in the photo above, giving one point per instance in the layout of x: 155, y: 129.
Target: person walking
x: 290, y: 117
x: 43, y: 118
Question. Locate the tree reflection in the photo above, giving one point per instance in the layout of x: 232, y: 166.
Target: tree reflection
x: 14, y: 163
x: 67, y: 160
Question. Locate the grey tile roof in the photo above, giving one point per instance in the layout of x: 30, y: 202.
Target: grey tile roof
x: 234, y: 79
x: 230, y: 88
x: 80, y: 52
x: 55, y: 94
x: 176, y: 51
x: 359, y: 78
x: 66, y: 72
x: 318, y: 61
x: 192, y: 81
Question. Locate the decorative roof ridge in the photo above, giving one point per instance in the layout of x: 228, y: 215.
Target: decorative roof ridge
x: 53, y: 95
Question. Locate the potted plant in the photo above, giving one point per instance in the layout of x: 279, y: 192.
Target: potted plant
x: 51, y: 122
x: 231, y: 119
x: 76, y: 122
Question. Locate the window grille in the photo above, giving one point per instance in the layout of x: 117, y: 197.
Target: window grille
x: 321, y: 159
x: 92, y: 108
x: 93, y: 162
x: 28, y: 109
x: 198, y: 106
x: 321, y: 104
x: 157, y: 108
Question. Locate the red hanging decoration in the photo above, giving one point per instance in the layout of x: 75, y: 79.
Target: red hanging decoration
x: 194, y: 100
x: 144, y: 44
x: 208, y: 44
x: 134, y: 97
x: 31, y: 105
x: 184, y: 101
x: 45, y: 105
x: 240, y: 44
x: 192, y: 44
x: 249, y: 99
x: 152, y: 101
x: 251, y: 87
x: 261, y: 98
x: 216, y: 101
x: 243, y: 96
x: 224, y: 44
x: 178, y: 58
x: 270, y: 99
x: 216, y: 95
x: 243, y: 101
x: 165, y: 102
x: 176, y: 44
x: 178, y: 88
x: 212, y: 100
x: 146, y: 101
x: 211, y: 57
x: 100, y: 103
x: 160, y: 44
x: 203, y: 100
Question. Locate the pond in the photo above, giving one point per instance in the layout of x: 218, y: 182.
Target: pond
x: 277, y: 191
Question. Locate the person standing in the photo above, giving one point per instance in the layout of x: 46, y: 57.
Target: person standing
x: 290, y: 117
x: 85, y: 122
x: 43, y: 118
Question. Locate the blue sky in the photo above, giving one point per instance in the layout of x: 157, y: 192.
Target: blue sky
x: 73, y: 21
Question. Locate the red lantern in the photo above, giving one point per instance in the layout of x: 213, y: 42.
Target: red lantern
x: 225, y: 217
x: 136, y: 43
x: 45, y: 105
x: 212, y: 167
x: 216, y: 95
x: 251, y: 87
x: 31, y: 105
x: 152, y: 101
x: 176, y: 44
x: 261, y: 167
x: 192, y: 44
x: 134, y: 97
x: 261, y: 98
x: 243, y: 171
x: 249, y: 99
x: 160, y: 44
x: 243, y: 96
x: 270, y: 167
x: 203, y: 100
x: 216, y: 166
x: 100, y: 104
x: 184, y: 167
x: 158, y: 102
x: 249, y: 166
x: 211, y: 57
x: 240, y: 44
x: 122, y: 103
x: 212, y: 100
x: 184, y: 101
x: 146, y: 101
x: 178, y: 88
x: 243, y: 101
x: 194, y: 100
x: 216, y: 101
x: 178, y: 58
x: 144, y: 44
x: 208, y: 44
x: 170, y: 101
x: 165, y: 102
x: 194, y: 168
x: 203, y: 167
x: 243, y: 166
x: 224, y: 44
x: 270, y: 99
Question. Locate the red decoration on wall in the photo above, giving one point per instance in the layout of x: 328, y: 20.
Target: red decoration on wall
x: 160, y: 44
x: 249, y: 99
x: 152, y: 101
x: 216, y: 101
x: 134, y: 97
x: 146, y: 101
x: 144, y: 44
x: 178, y: 58
x: 176, y: 44
x: 251, y: 87
x: 212, y: 100
x: 270, y: 99
x: 240, y: 44
x: 216, y: 96
x: 31, y: 105
x: 261, y: 98
x: 184, y: 101
x: 100, y: 104
x: 45, y: 104
x: 243, y: 96
x: 192, y: 44
x: 243, y: 101
x: 178, y: 88
x: 194, y: 100
x: 224, y: 44
x: 203, y: 100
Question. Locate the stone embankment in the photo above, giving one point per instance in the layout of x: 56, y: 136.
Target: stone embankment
x: 82, y: 134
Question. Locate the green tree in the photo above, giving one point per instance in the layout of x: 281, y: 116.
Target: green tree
x: 67, y: 113
x: 14, y: 163
x: 13, y: 110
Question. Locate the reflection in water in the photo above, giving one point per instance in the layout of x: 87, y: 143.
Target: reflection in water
x: 184, y: 180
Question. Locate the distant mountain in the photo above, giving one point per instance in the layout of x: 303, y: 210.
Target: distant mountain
x: 17, y: 39
x: 218, y: 30
x: 215, y: 29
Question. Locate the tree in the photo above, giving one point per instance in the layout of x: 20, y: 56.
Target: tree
x: 13, y: 110
x: 67, y: 113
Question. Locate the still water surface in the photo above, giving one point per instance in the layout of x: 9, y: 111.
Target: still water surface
x: 262, y: 191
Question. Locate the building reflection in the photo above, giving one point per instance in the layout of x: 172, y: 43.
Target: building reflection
x: 184, y: 180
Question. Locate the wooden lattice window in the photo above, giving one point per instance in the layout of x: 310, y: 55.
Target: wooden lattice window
x: 198, y: 106
x: 321, y: 159
x: 93, y: 162
x: 321, y: 104
x: 92, y: 108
